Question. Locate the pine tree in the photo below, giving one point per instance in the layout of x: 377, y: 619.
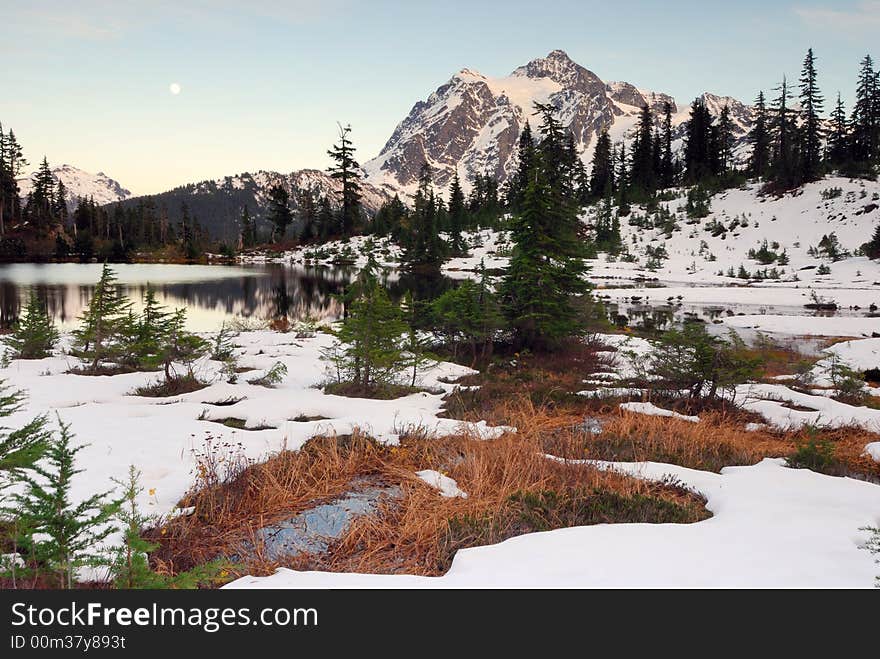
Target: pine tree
x: 811, y: 130
x: 41, y: 200
x: 34, y: 335
x: 12, y: 163
x: 699, y: 151
x: 525, y: 157
x: 279, y: 213
x: 326, y: 221
x: 103, y: 335
x: 457, y: 219
x: 59, y: 208
x: 149, y: 334
x: 602, y: 173
x: 871, y: 248
x: 547, y: 265
x: 20, y: 449
x: 46, y: 510
x: 838, y: 139
x: 130, y: 568
x: 347, y: 170
x: 423, y: 248
x: 784, y: 156
x: 759, y: 136
x: 248, y: 228
x: 667, y: 163
x: 866, y: 116
x: 724, y: 142
x: 643, y: 174
x: 369, y: 352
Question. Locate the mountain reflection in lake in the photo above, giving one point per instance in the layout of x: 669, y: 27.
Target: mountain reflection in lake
x: 211, y: 294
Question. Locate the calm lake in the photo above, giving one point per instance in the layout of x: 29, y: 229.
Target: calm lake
x: 210, y: 293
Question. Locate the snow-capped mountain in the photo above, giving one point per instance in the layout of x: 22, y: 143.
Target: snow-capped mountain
x: 472, y: 122
x: 81, y: 184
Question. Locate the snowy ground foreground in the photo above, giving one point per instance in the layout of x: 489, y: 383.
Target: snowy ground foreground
x: 652, y: 410
x: 772, y: 527
x: 159, y: 435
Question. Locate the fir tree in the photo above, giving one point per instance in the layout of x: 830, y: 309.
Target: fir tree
x: 524, y: 163
x: 347, y: 170
x: 838, y: 139
x: 866, y: 116
x: 34, y: 335
x: 457, y: 217
x: 547, y: 265
x: 423, y: 249
x: 602, y: 173
x: 643, y: 174
x: 248, y: 228
x: 667, y: 164
x: 105, y: 324
x: 369, y: 354
x: 871, y: 248
x: 784, y: 155
x: 130, y: 568
x: 20, y: 449
x: 59, y: 208
x: 279, y: 213
x: 811, y: 131
x: 46, y: 510
x: 759, y: 136
x: 699, y: 151
x: 724, y: 148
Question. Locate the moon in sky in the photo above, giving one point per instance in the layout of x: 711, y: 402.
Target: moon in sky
x: 174, y: 88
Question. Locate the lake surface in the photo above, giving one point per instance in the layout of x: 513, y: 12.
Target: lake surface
x: 210, y: 293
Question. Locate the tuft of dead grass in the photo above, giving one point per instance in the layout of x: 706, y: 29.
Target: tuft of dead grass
x: 512, y: 488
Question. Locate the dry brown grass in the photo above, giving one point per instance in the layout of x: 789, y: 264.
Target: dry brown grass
x: 507, y: 481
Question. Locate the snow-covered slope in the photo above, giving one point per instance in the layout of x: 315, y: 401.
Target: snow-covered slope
x: 472, y: 122
x: 81, y: 184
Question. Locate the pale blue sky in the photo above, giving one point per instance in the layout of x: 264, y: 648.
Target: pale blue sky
x: 264, y: 81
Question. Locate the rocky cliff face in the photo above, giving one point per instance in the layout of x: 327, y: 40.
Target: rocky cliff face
x: 472, y: 122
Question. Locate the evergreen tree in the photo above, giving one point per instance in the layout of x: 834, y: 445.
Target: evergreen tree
x: 326, y: 221
x: 811, y: 129
x: 20, y: 449
x: 46, y: 510
x: 59, y: 208
x: 547, y: 265
x: 871, y: 248
x: 423, y: 248
x: 784, y: 156
x: 866, y: 116
x: 667, y: 163
x: 41, y: 200
x: 838, y: 139
x: 469, y: 314
x: 248, y: 228
x: 279, y: 213
x: 457, y: 216
x: 525, y: 162
x: 369, y: 352
x: 643, y: 174
x: 759, y: 137
x: 602, y: 173
x: 130, y: 568
x: 34, y: 335
x: 347, y: 170
x: 12, y: 163
x: 700, y: 156
x: 103, y: 335
x: 724, y: 148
